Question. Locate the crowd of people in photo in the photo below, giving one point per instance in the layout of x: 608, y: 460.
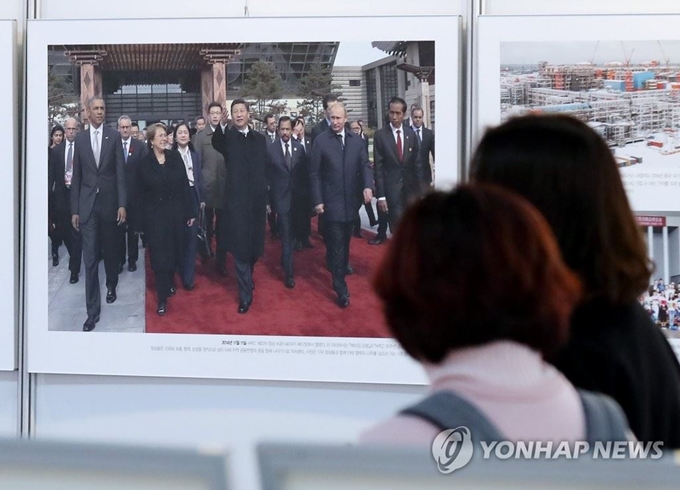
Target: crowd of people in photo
x: 215, y: 184
x: 661, y: 301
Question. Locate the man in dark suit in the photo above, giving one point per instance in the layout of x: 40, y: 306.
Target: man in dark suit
x: 398, y: 169
x: 98, y: 204
x: 270, y: 133
x: 288, y: 178
x: 323, y: 125
x: 426, y: 140
x: 339, y: 169
x: 245, y: 209
x: 300, y: 135
x: 214, y: 179
x: 133, y: 152
x: 60, y: 178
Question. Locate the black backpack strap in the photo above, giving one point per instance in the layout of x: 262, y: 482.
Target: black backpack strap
x: 605, y: 421
x: 447, y: 410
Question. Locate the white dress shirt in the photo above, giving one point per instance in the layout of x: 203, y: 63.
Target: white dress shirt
x: 68, y: 174
x: 188, y: 163
x: 97, y: 151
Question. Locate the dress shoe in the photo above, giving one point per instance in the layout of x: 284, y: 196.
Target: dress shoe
x: 74, y: 278
x: 357, y: 234
x: 221, y: 270
x: 55, y: 260
x: 307, y: 244
x: 111, y: 295
x: 162, y: 307
x: 377, y: 240
x: 289, y: 283
x: 298, y: 246
x: 132, y: 266
x: 189, y: 287
x: 89, y: 324
x: 243, y: 307
x: 343, y: 301
x: 349, y: 270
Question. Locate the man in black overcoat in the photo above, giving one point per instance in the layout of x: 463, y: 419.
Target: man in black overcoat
x: 245, y: 156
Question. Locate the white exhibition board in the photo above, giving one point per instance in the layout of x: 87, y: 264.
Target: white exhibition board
x: 215, y: 356
x: 9, y: 245
x: 617, y: 44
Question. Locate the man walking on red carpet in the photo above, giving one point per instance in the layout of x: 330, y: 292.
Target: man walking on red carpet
x: 339, y: 170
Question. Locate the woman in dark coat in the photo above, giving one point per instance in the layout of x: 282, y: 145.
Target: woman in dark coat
x: 192, y: 165
x: 568, y: 172
x: 167, y: 208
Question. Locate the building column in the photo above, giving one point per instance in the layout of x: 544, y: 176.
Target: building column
x: 88, y: 85
x: 206, y: 88
x: 666, y: 265
x: 214, y: 74
x: 219, y: 76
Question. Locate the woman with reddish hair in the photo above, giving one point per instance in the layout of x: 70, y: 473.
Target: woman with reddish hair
x: 567, y: 171
x: 473, y: 287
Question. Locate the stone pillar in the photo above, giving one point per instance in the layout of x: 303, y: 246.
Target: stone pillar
x: 87, y: 86
x: 206, y: 89
x: 219, y: 77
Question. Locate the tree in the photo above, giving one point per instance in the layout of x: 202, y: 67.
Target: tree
x: 263, y: 84
x: 61, y: 96
x: 316, y: 83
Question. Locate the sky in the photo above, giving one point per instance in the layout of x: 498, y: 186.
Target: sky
x: 598, y: 52
x: 357, y: 54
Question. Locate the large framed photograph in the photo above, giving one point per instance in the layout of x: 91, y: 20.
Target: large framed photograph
x: 129, y: 76
x: 8, y: 199
x: 617, y: 73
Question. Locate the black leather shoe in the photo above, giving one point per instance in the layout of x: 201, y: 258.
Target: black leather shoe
x: 111, y: 295
x: 343, y: 302
x: 55, y: 260
x: 132, y: 266
x: 89, y: 324
x: 74, y: 278
x: 289, y: 283
x: 173, y: 290
x: 298, y: 246
x: 161, y: 308
x: 349, y: 270
x: 243, y: 308
x: 307, y: 244
x: 377, y: 240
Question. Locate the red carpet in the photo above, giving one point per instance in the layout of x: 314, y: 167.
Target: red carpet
x: 309, y: 309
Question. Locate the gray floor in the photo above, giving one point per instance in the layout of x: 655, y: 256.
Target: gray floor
x: 67, y: 301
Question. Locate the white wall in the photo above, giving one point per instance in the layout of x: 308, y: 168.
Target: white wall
x: 234, y: 413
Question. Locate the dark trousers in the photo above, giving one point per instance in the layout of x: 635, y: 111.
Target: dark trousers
x: 91, y: 231
x: 64, y: 232
x: 212, y: 221
x: 244, y: 277
x: 130, y: 240
x: 188, y: 265
x: 395, y: 212
x: 285, y: 224
x: 163, y: 284
x: 338, y: 235
x: 383, y: 221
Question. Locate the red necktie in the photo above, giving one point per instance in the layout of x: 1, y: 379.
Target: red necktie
x: 400, y: 150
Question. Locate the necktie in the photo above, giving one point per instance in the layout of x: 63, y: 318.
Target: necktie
x: 125, y: 152
x: 287, y: 158
x: 96, y: 147
x: 420, y: 138
x: 69, y: 166
x: 271, y: 137
x: 400, y: 150
x: 342, y: 141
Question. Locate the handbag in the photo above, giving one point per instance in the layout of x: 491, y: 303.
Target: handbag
x: 204, y: 248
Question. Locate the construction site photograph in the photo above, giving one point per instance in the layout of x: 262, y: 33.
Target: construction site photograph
x: 627, y: 91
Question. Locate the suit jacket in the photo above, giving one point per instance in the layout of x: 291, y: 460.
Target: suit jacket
x: 60, y: 195
x: 338, y: 177
x: 289, y: 188
x: 319, y: 128
x: 105, y: 182
x: 136, y: 151
x: 307, y: 143
x: 395, y: 178
x: 426, y: 149
x: 269, y: 140
x: 212, y: 167
x: 245, y: 201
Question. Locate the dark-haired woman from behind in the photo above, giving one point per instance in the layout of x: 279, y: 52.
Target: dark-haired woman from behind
x: 567, y: 171
x: 167, y: 208
x: 473, y: 287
